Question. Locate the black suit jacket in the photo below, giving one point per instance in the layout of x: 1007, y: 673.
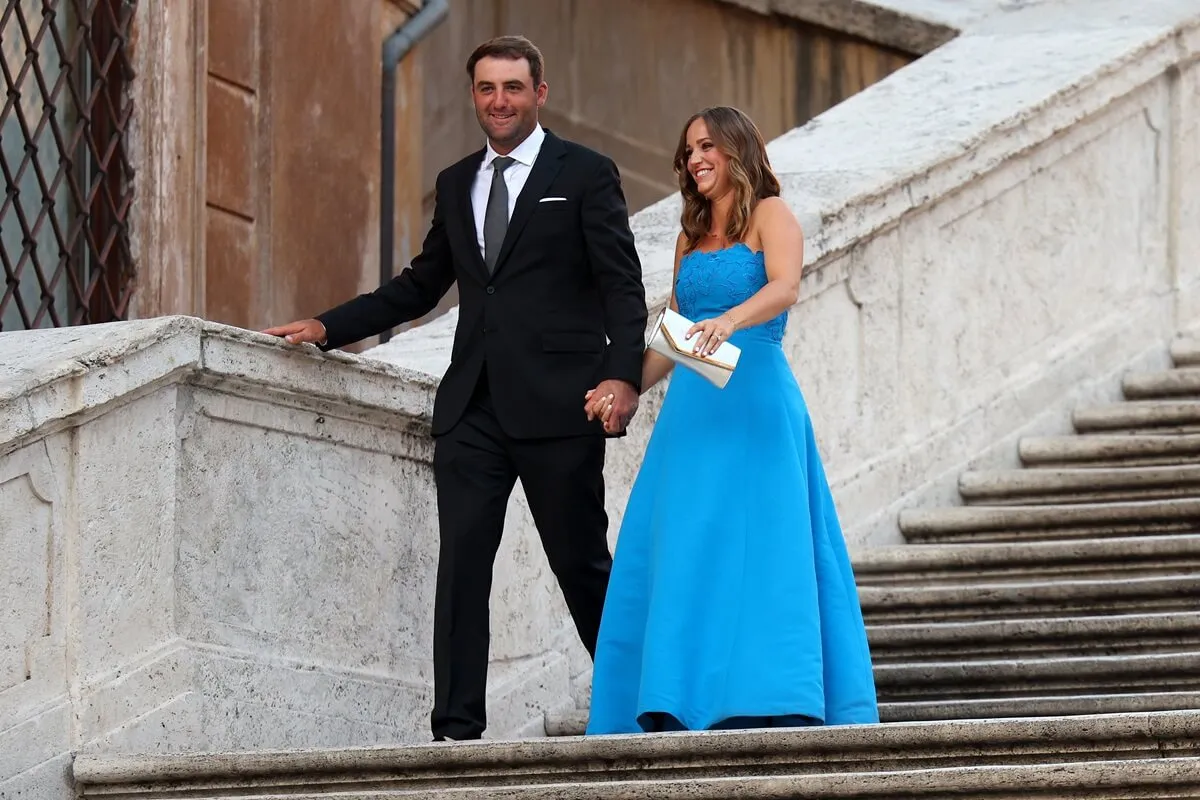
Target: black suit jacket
x: 564, y: 309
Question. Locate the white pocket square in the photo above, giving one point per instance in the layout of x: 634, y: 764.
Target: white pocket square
x: 552, y: 199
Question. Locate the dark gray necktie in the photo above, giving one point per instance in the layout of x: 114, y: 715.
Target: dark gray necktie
x: 495, y: 218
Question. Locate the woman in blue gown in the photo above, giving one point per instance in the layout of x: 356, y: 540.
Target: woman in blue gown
x: 732, y: 603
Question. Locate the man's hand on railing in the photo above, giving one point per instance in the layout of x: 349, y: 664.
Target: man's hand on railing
x: 304, y: 331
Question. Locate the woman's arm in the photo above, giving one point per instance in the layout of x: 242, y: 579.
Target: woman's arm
x: 783, y: 254
x: 656, y: 366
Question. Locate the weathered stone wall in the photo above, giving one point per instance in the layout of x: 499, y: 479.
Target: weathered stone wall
x: 257, y: 125
x: 256, y: 141
x: 624, y: 75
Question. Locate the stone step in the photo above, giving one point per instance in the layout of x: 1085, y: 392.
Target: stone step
x: 1017, y: 601
x: 1185, y: 351
x: 1053, y: 637
x: 1067, y: 486
x: 1024, y: 707
x: 1097, y: 757
x: 925, y: 566
x: 1050, y: 522
x: 1180, y: 382
x: 1038, y: 677
x: 1162, y: 779
x: 574, y: 722
x: 1154, y: 416
x: 1106, y: 450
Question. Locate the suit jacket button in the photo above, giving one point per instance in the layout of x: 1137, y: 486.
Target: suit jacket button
x: 491, y: 290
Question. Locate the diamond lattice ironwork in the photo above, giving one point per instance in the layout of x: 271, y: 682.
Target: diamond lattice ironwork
x: 68, y: 183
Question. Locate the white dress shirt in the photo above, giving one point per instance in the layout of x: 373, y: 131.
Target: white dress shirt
x: 514, y: 177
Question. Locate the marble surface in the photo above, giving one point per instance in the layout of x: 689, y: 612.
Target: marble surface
x: 1070, y: 752
x: 994, y: 235
x: 216, y: 540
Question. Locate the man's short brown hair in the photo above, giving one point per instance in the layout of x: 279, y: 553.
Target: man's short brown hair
x: 511, y: 47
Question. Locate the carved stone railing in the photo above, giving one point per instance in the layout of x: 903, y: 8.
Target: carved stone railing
x: 214, y: 540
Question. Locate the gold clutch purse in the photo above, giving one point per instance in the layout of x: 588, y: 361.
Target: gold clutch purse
x: 667, y: 339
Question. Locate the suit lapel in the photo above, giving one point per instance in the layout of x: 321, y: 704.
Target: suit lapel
x: 464, y: 184
x: 544, y: 170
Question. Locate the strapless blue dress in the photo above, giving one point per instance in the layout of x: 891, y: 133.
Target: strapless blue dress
x: 732, y: 602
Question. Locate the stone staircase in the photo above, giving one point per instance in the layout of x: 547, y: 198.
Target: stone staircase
x: 1098, y: 758
x: 1071, y: 586
x: 1042, y: 640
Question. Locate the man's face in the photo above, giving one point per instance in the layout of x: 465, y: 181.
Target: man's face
x: 506, y: 101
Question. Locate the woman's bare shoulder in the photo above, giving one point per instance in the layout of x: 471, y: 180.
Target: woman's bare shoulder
x: 771, y: 214
x: 772, y: 209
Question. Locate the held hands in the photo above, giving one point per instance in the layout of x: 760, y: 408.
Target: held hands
x: 614, y: 402
x: 710, y: 333
x: 305, y: 331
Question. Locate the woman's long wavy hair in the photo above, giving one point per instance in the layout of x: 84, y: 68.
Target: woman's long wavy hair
x: 735, y: 135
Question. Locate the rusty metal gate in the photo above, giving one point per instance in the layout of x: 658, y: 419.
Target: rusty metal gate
x: 68, y: 183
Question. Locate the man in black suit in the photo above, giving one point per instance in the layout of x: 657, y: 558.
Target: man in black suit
x: 535, y: 230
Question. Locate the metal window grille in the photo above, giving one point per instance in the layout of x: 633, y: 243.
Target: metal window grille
x: 68, y: 183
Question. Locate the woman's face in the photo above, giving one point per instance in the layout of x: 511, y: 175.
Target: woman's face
x: 708, y: 166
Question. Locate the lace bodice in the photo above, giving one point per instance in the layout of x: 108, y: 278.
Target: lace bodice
x: 710, y: 284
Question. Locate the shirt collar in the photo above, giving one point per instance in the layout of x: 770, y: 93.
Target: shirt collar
x: 524, y: 153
